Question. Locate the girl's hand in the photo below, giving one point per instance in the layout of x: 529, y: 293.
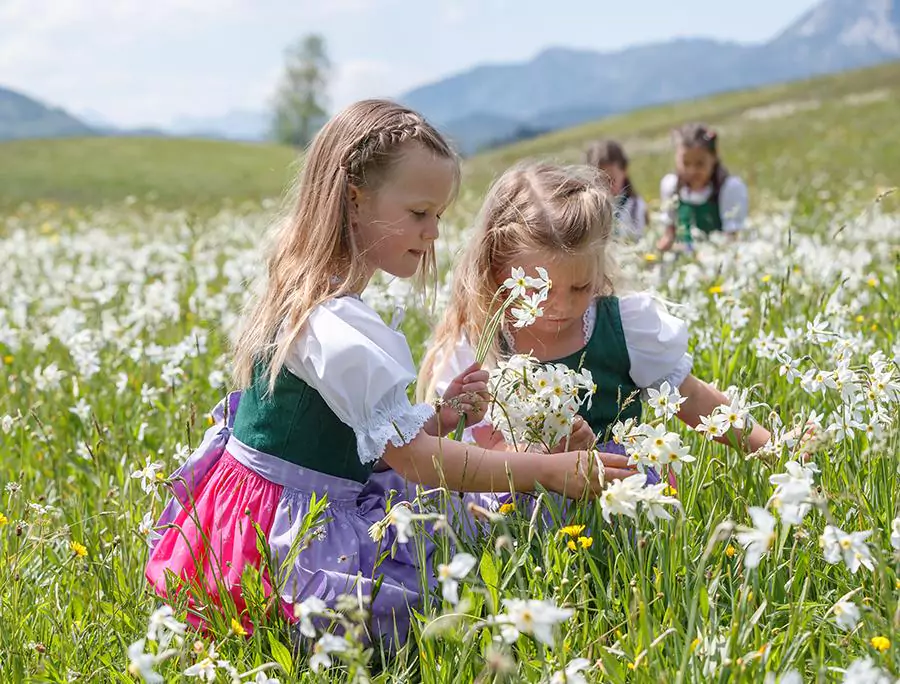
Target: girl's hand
x: 576, y: 473
x: 466, y: 395
x: 664, y: 244
x: 581, y: 438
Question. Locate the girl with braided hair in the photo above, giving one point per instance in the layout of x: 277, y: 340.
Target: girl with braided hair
x: 701, y: 196
x: 323, y: 410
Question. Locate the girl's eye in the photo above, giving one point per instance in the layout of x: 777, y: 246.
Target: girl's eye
x: 420, y: 214
x: 581, y: 288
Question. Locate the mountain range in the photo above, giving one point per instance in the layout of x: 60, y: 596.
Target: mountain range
x: 561, y: 87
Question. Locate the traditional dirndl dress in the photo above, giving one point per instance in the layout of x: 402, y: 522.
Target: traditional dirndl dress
x: 339, y: 401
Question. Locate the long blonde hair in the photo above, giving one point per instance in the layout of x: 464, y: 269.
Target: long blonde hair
x: 534, y: 206
x: 313, y: 253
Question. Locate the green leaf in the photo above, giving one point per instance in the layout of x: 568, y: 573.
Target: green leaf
x: 280, y: 653
x: 490, y: 574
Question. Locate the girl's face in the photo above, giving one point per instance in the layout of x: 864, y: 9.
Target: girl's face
x: 572, y: 289
x: 397, y: 223
x: 616, y: 175
x: 695, y: 166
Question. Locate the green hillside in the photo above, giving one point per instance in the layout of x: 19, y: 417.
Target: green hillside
x: 169, y: 172
x: 837, y: 133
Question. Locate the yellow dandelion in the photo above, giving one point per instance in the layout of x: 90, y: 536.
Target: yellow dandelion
x: 874, y: 327
x: 238, y: 628
x: 79, y: 550
x: 860, y: 318
x: 3, y: 520
x: 571, y: 545
x: 650, y: 258
x: 715, y: 289
x: 8, y: 359
x: 766, y: 278
x: 730, y: 551
x: 571, y: 530
x: 880, y: 643
x: 585, y: 542
x: 507, y: 508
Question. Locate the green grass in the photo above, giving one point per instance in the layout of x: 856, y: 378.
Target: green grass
x: 165, y: 172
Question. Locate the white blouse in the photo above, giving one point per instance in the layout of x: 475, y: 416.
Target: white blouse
x: 631, y: 219
x: 657, y: 344
x: 361, y: 367
x: 733, y: 200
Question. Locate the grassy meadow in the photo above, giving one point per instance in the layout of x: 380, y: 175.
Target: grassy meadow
x: 127, y: 264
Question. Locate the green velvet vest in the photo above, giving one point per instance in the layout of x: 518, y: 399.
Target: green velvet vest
x: 704, y: 217
x: 606, y: 357
x: 295, y: 424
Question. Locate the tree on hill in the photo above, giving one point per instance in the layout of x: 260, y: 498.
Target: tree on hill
x: 301, y: 100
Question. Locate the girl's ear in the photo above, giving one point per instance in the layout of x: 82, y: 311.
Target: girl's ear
x: 354, y: 196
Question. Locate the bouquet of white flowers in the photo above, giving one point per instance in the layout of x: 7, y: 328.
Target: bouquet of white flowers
x: 535, y: 404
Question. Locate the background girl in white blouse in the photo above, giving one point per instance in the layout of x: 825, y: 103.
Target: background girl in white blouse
x: 701, y: 195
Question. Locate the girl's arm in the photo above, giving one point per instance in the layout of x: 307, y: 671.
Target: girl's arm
x: 433, y: 462
x: 702, y: 399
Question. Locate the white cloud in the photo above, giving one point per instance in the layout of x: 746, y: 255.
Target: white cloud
x: 358, y: 79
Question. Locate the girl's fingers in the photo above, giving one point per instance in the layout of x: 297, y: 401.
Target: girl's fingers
x: 475, y: 367
x: 616, y: 461
x: 475, y: 387
x: 617, y: 473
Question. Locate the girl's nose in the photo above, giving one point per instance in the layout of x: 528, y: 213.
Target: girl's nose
x: 431, y: 231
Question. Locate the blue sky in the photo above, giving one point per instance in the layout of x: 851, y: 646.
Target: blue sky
x: 139, y: 62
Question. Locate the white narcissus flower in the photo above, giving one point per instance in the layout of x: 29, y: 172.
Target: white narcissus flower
x: 621, y: 497
x: 866, y: 671
x: 665, y: 401
x: 851, y: 548
x: 654, y: 500
x: 517, y: 283
x: 449, y: 575
x: 305, y: 610
x: 141, y: 664
x: 572, y: 673
x: 401, y: 518
x: 147, y: 529
x: 757, y: 540
x: 327, y: 645
x: 712, y: 426
x: 204, y: 670
x: 148, y: 475
x: 162, y: 626
x: 846, y: 615
x: 263, y: 678
x: 533, y: 617
x: 793, y: 491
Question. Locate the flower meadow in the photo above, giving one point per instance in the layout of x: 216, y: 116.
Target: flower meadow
x: 778, y: 566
